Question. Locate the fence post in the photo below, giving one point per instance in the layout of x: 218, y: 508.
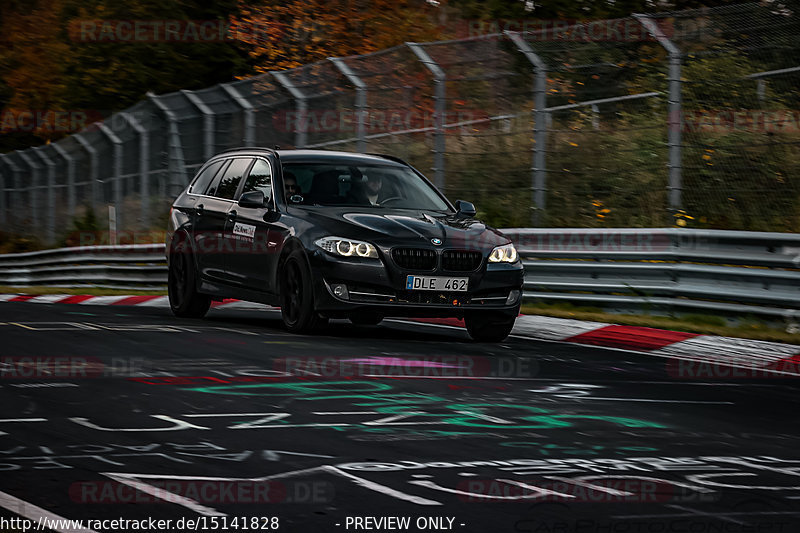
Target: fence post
x: 540, y: 124
x: 32, y: 187
x: 70, y: 178
x: 144, y: 165
x: 301, y: 136
x: 208, y: 122
x: 361, y: 101
x: 93, y: 163
x: 439, y: 78
x: 3, y: 183
x: 177, y: 163
x: 50, y: 194
x: 249, y: 117
x: 14, y: 171
x: 117, y: 188
x: 674, y: 119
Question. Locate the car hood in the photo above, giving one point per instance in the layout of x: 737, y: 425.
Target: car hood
x: 395, y: 226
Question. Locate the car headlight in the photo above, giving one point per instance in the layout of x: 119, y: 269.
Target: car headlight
x: 347, y: 247
x: 504, y: 254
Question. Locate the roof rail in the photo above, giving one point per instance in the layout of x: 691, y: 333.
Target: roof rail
x: 390, y: 158
x: 242, y: 148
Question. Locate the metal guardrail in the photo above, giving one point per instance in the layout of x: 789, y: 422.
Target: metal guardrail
x: 125, y: 267
x: 669, y: 269
x: 622, y: 269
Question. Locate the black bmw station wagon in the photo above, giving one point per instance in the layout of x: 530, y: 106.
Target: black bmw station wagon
x: 327, y: 234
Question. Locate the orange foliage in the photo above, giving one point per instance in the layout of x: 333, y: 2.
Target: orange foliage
x: 297, y: 32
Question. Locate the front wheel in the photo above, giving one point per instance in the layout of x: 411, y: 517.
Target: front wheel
x: 184, y: 300
x: 297, y: 295
x: 489, y: 327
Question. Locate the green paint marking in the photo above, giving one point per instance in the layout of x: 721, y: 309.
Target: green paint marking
x: 378, y: 397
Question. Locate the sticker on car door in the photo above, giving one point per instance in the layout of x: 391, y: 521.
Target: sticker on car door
x: 244, y: 230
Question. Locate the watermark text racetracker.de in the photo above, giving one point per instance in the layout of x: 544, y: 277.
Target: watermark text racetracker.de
x: 92, y: 31
x: 47, y: 120
x: 728, y: 120
x: 28, y: 367
x: 567, y: 30
x: 202, y: 523
x: 451, y: 366
x: 611, y: 490
x: 376, y: 120
x: 205, y: 491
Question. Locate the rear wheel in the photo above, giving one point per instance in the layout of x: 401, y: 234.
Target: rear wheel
x: 184, y: 300
x: 489, y: 327
x: 297, y: 295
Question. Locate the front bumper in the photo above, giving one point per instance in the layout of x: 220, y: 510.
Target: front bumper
x: 379, y: 286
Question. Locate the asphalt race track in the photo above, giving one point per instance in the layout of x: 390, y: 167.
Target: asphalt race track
x: 230, y: 423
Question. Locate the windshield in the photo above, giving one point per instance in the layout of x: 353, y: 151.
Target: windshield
x: 373, y: 186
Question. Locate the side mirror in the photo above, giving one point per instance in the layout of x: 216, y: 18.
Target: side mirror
x: 465, y: 209
x: 254, y: 199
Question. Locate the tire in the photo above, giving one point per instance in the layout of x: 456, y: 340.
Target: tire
x: 489, y: 327
x: 184, y: 300
x: 297, y: 295
x: 366, y: 319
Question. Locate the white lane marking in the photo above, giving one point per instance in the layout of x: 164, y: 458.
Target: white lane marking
x: 162, y: 494
x: 47, y: 298
x: 20, y: 420
x: 381, y: 488
x: 275, y: 455
x: 159, y: 301
x: 716, y: 349
x: 698, y: 359
x: 533, y: 492
x: 765, y: 352
x: 700, y: 513
x: 103, y: 300
x: 37, y: 514
x: 656, y: 401
x: 551, y: 328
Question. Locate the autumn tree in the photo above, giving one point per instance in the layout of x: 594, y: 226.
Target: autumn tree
x: 281, y: 35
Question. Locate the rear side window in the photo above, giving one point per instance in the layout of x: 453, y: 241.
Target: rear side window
x: 260, y: 179
x: 204, y: 178
x: 226, y: 185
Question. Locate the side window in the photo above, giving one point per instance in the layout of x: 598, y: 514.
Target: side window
x: 204, y: 178
x: 260, y: 179
x: 212, y: 189
x: 231, y: 178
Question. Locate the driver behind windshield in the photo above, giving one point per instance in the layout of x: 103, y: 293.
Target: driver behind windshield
x: 368, y: 191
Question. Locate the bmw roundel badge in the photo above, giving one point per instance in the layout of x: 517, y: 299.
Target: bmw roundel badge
x: 436, y: 242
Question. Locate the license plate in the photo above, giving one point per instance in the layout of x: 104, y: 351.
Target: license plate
x: 436, y: 283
